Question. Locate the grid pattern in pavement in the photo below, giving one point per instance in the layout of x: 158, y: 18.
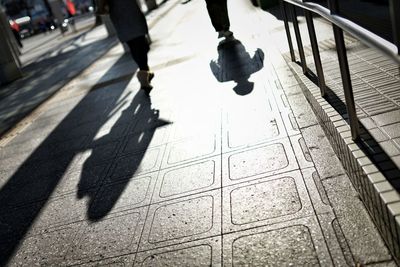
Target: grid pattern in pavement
x: 204, y: 172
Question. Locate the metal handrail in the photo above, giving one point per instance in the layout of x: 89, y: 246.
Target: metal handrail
x: 368, y: 38
x: 339, y: 25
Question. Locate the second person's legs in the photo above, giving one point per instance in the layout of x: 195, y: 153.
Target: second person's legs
x: 218, y: 12
x: 139, y: 47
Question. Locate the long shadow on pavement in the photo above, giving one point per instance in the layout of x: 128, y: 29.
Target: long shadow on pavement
x: 43, y: 79
x: 29, y: 189
x: 144, y: 121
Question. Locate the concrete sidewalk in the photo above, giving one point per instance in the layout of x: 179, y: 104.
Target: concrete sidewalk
x: 225, y: 163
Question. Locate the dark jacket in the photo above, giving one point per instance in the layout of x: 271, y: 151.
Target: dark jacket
x: 128, y: 19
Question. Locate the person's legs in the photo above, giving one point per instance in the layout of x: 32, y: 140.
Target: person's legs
x: 139, y: 48
x: 218, y: 12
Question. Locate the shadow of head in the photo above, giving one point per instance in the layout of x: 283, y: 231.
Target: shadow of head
x: 243, y: 87
x: 234, y: 63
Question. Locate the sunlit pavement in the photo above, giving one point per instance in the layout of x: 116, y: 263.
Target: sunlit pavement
x: 224, y: 164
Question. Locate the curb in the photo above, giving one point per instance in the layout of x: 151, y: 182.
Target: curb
x: 378, y: 195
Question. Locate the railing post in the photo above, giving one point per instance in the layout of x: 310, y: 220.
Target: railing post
x: 345, y: 73
x: 346, y: 80
x: 287, y: 29
x: 315, y: 50
x: 395, y: 17
x: 298, y: 39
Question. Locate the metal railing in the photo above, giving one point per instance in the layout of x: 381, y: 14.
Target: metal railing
x: 340, y: 24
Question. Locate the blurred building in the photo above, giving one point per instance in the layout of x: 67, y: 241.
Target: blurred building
x: 34, y: 16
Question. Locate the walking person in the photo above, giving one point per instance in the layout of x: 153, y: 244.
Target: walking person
x: 131, y: 27
x: 218, y: 12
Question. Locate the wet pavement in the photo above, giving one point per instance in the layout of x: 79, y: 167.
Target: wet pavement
x: 224, y: 164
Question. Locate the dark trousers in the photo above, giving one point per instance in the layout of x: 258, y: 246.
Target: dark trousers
x: 218, y: 12
x: 139, y: 48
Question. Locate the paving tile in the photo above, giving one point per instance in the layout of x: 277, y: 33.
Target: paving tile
x: 290, y: 122
x: 181, y: 130
x: 355, y: 222
x: 191, y: 149
x: 296, y: 243
x: 248, y: 126
x: 61, y: 211
x: 188, y: 179
x: 316, y: 191
x: 188, y: 123
x: 144, y: 140
x: 46, y: 248
x: 102, y: 152
x: 266, y: 159
x: 204, y: 252
x: 390, y: 148
x: 335, y: 240
x: 378, y: 135
x: 323, y: 156
x: 281, y: 99
x: 141, y: 162
x: 123, y: 261
x: 302, y: 152
x: 77, y: 161
x: 287, y: 78
x: 114, y: 235
x: 258, y: 103
x: 254, y: 131
x: 108, y: 132
x: 150, y: 120
x: 182, y: 220
x: 393, y: 130
x: 368, y: 123
x: 122, y: 195
x: 81, y: 180
x: 302, y: 111
x: 387, y: 118
x: 265, y: 201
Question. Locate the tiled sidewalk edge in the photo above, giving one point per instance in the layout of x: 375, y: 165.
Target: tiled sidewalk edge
x: 380, y: 198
